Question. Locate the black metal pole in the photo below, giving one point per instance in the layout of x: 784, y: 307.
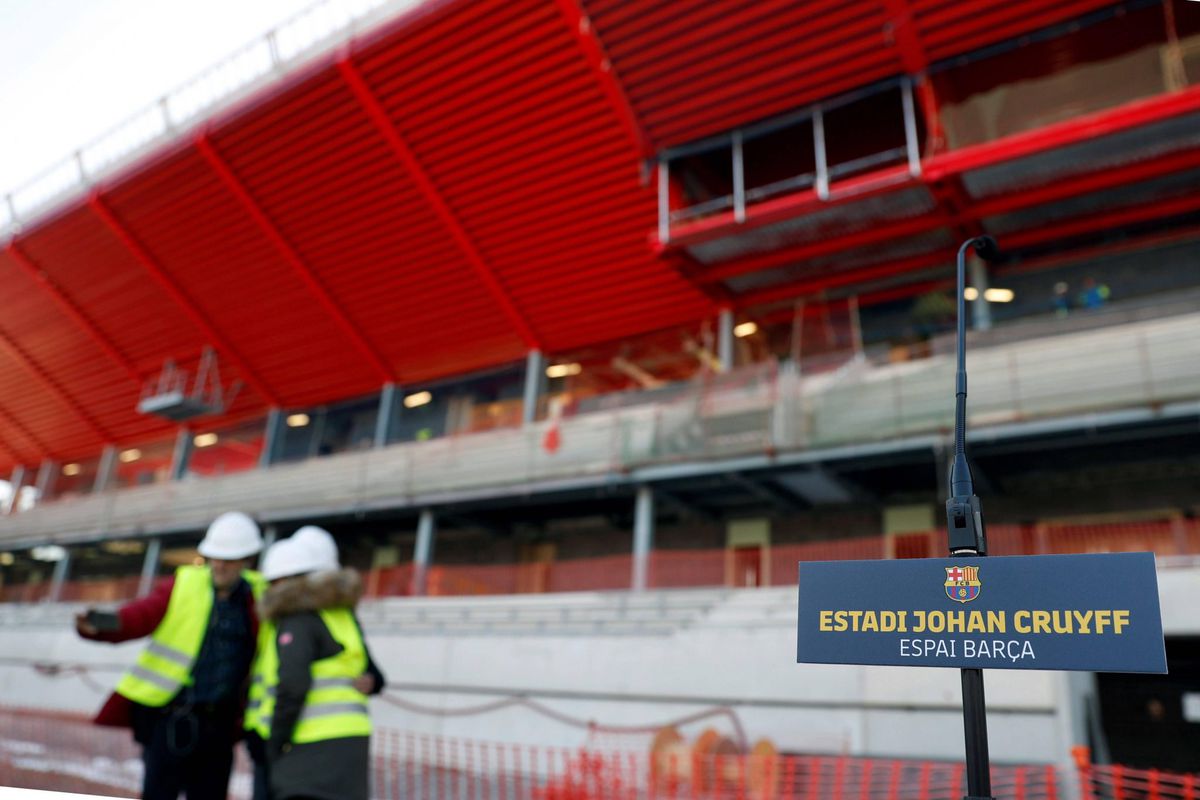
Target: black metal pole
x: 966, y: 537
x: 979, y: 779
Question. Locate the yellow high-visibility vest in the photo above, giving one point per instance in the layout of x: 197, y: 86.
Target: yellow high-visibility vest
x: 165, y: 666
x: 333, y: 708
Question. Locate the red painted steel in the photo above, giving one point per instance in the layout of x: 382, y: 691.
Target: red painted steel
x: 159, y: 275
x: 526, y: 221
x: 602, y: 69
x: 40, y: 450
x: 17, y: 353
x: 72, y: 310
x: 379, y: 118
x: 306, y: 274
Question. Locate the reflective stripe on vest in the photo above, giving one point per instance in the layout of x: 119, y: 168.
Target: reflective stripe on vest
x: 165, y: 666
x: 333, y: 708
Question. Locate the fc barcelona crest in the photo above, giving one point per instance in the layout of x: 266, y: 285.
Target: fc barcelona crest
x: 962, y: 583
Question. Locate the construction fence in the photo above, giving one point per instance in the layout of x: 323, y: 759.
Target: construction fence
x: 60, y: 752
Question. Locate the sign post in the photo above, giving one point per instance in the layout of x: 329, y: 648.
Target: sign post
x: 1082, y: 612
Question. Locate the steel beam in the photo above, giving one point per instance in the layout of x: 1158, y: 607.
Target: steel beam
x: 171, y: 287
x: 308, y: 276
x: 273, y: 437
x: 643, y: 537
x: 181, y: 454
x: 423, y: 551
x: 725, y: 338
x: 62, y: 569
x: 606, y: 76
x: 416, y: 172
x: 535, y: 379
x: 108, y: 460
x: 149, y: 567
x: 389, y: 407
x: 17, y: 354
x: 73, y: 311
x: 47, y: 472
x: 15, y: 481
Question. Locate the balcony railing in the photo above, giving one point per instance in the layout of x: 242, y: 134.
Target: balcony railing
x: 316, y: 30
x: 775, y: 565
x: 1149, y: 367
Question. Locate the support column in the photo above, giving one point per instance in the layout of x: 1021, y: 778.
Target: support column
x: 981, y: 311
x: 16, y: 479
x: 271, y: 437
x: 423, y: 551
x: 911, y: 144
x: 664, y: 202
x: 535, y: 379
x: 270, y: 534
x: 643, y: 537
x: 108, y: 460
x: 62, y: 568
x: 45, y: 478
x: 822, y: 180
x: 149, y: 567
x: 739, y: 179
x: 183, y: 452
x: 387, y: 412
x: 725, y: 339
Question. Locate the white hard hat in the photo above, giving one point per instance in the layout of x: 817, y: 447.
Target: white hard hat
x: 321, y: 543
x: 231, y: 536
x: 289, y: 557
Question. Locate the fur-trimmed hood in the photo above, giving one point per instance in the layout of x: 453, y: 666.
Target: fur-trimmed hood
x: 340, y: 588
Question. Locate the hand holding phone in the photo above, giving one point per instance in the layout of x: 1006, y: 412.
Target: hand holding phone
x: 95, y: 621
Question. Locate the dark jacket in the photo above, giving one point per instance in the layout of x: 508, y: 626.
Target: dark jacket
x: 335, y: 769
x: 139, y: 618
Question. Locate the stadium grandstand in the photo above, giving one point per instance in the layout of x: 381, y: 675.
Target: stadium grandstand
x: 580, y: 322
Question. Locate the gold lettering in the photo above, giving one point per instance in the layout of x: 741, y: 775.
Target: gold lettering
x: 995, y: 622
x: 887, y: 621
x: 1063, y: 621
x: 826, y: 623
x: 1103, y: 618
x: 855, y: 616
x: 1041, y: 621
x: 839, y: 621
x: 920, y: 626
x: 1021, y: 622
x: 937, y: 621
x: 975, y: 622
x: 1084, y: 617
x: 1120, y: 620
x: 955, y: 621
x: 870, y: 622
x: 903, y: 626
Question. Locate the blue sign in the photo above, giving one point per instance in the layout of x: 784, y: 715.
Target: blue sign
x: 1085, y: 612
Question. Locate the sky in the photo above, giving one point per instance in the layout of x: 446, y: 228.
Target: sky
x: 72, y: 69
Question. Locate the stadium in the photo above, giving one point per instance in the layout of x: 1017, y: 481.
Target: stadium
x: 579, y: 324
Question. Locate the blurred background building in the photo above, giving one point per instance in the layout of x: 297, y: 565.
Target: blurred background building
x: 543, y: 297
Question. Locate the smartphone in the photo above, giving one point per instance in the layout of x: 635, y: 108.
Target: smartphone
x: 104, y: 621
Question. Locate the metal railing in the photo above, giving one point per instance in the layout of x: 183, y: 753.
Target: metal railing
x: 775, y: 565
x: 761, y: 409
x: 315, y: 31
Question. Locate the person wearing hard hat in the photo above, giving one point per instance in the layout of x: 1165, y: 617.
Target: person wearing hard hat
x: 310, y: 709
x: 323, y: 550
x: 185, y: 695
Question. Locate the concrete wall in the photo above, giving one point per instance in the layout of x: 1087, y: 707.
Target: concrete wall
x: 622, y: 659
